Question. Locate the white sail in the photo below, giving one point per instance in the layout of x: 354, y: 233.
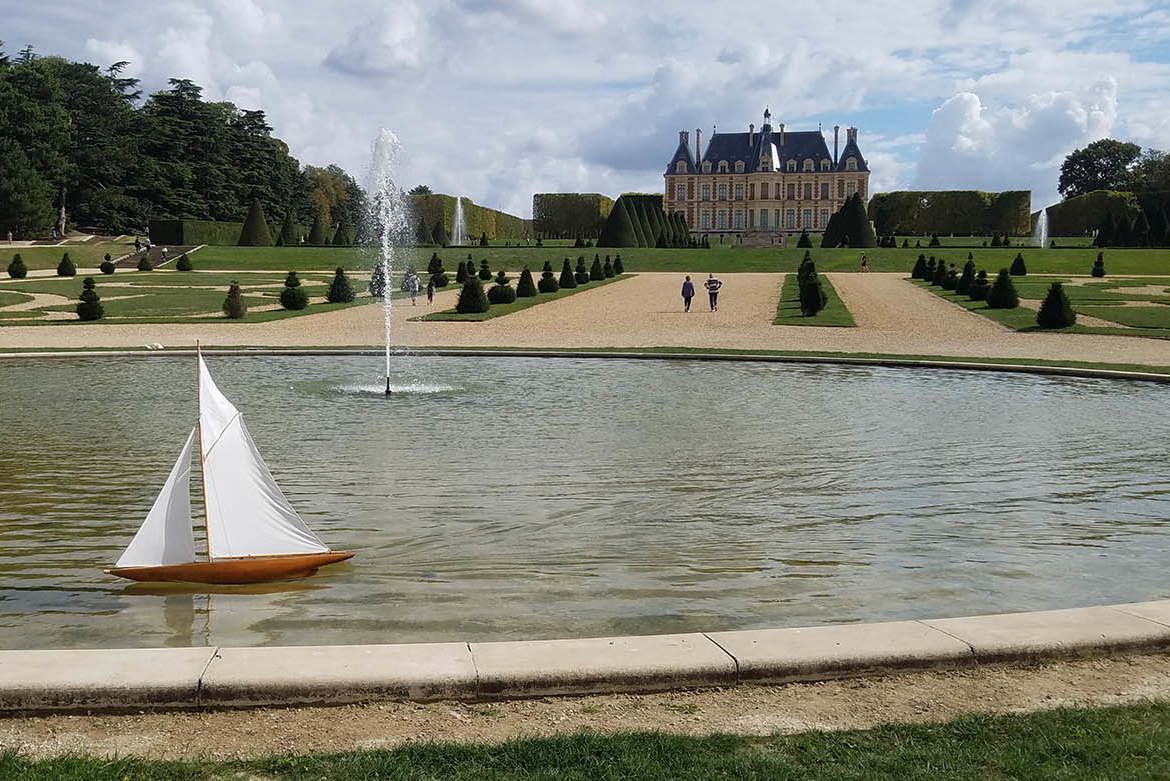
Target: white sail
x: 165, y: 537
x: 247, y: 514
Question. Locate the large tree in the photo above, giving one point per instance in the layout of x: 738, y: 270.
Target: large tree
x: 1102, y: 165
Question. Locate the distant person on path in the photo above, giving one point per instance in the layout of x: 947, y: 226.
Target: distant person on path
x: 431, y: 291
x: 712, y: 284
x: 137, y: 244
x: 9, y: 237
x: 688, y: 292
x: 864, y: 263
x: 411, y: 284
x: 164, y: 254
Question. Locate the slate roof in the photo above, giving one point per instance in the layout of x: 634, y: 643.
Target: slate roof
x: 851, y: 149
x: 797, y: 146
x: 682, y: 153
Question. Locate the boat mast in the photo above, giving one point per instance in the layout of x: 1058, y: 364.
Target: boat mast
x: 202, y: 464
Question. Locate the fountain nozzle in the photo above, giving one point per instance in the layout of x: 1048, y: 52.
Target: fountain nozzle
x: 387, y: 385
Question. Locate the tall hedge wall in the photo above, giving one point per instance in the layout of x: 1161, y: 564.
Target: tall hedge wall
x: 568, y: 215
x: 1082, y: 214
x: 195, y: 232
x: 479, y: 219
x: 971, y: 212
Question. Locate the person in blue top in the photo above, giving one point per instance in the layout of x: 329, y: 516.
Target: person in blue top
x: 688, y: 293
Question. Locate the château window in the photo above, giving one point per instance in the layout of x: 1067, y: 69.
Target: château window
x: 850, y: 188
x: 764, y: 191
x: 681, y: 166
x: 763, y: 219
x: 751, y: 219
x: 680, y: 193
x: 739, y: 220
x: 824, y: 191
x: 851, y: 164
x: 808, y: 164
x: 722, y: 221
x: 807, y: 218
x: 824, y: 217
x: 791, y: 192
x: 739, y: 166
x: 706, y: 196
x: 723, y: 192
x: 824, y: 165
x: 722, y: 166
x: 739, y: 192
x: 791, y: 166
x: 705, y: 220
x: 706, y: 166
x: 776, y: 217
x: 808, y: 191
x: 790, y: 219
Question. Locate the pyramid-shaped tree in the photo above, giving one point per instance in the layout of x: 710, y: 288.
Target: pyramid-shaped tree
x: 618, y: 267
x: 548, y: 279
x: 288, y: 231
x: 340, y: 291
x: 440, y: 236
x: 832, y: 235
x: 637, y: 220
x: 343, y: 237
x: 580, y: 273
x: 1099, y: 265
x: 919, y: 271
x: 317, y: 231
x: 804, y: 240
x: 607, y: 268
x: 1002, y: 294
x: 1018, y: 268
x: 812, y: 293
x: 964, y: 284
x: 980, y: 286
x: 525, y: 288
x: 483, y: 240
x: 255, y: 231
x: 596, y: 271
x: 90, y: 305
x: 472, y: 299
x: 855, y: 225
x: 17, y: 269
x: 377, y: 284
x: 485, y: 271
x: 437, y: 273
x: 940, y: 273
x: 234, y: 305
x: 501, y: 292
x: 618, y: 230
x: 293, y: 296
x: 461, y: 273
x: 66, y: 268
x: 1055, y: 310
x: 567, y: 279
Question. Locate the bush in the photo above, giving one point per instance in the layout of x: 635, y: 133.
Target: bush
x: 17, y: 269
x: 377, y: 284
x: 951, y: 280
x: 1018, y: 268
x: 567, y: 279
x: 905, y: 243
x: 596, y: 271
x: 483, y: 242
x: 934, y: 242
x: 1002, y: 294
x: 107, y: 266
x: 144, y: 264
x: 1056, y: 311
x: 440, y: 280
x: 471, y: 298
x: 995, y: 242
x: 317, y: 231
x: 234, y: 306
x: 548, y: 280
x: 485, y: 272
x: 255, y: 231
x: 928, y: 275
x: 1099, y: 265
x: 618, y: 268
x: 580, y: 273
x: 90, y: 307
x: 579, y: 243
x: 919, y: 271
x: 340, y: 291
x: 979, y: 287
x: 435, y: 266
x: 501, y: 292
x: 440, y: 236
x: 940, y: 273
x: 183, y: 263
x: 66, y: 268
x: 525, y: 288
x: 461, y: 273
x: 293, y: 296
x: 812, y: 293
x: 804, y: 241
x: 964, y: 283
x: 607, y: 269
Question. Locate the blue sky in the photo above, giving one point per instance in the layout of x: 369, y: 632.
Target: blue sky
x: 498, y: 100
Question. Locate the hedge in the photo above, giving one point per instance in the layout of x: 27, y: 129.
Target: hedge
x: 1081, y: 215
x: 570, y: 215
x: 963, y: 212
x: 479, y: 220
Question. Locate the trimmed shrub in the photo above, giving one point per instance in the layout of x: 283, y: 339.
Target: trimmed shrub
x: 812, y: 293
x: 317, y: 231
x: 435, y: 265
x: 804, y: 240
x: 607, y: 269
x: 461, y: 273
x: 618, y: 268
x: 951, y: 280
x: 234, y: 306
x: 919, y: 271
x: 340, y: 291
x: 288, y: 231
x: 485, y: 272
x: 579, y: 243
x: 905, y: 243
x: 66, y: 268
x: 501, y: 292
x: 255, y: 231
x: 471, y: 298
x: 567, y: 279
x: 1099, y: 265
x: 183, y: 263
x: 144, y: 264
x: 525, y: 288
x: 483, y: 242
x: 548, y: 280
x: 90, y: 307
x: 17, y: 269
x: 929, y: 274
x: 979, y: 287
x: 596, y: 272
x: 940, y: 273
x: 107, y: 266
x: 580, y: 273
x: 377, y: 284
x: 1002, y: 294
x: 1056, y: 311
x: 934, y: 242
x: 995, y: 242
x: 344, y: 235
x: 440, y: 236
x: 1018, y: 269
x: 964, y: 284
x: 293, y: 296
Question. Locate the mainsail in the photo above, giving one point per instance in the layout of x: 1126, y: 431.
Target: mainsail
x: 165, y: 536
x: 247, y: 514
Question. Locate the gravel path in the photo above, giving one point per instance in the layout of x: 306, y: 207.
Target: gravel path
x: 750, y: 710
x: 893, y: 317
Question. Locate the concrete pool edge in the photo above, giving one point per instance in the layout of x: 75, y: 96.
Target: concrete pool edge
x: 939, y: 362
x: 233, y: 677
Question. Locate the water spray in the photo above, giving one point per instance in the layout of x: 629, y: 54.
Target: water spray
x: 387, y: 385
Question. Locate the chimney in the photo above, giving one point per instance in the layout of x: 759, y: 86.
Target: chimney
x: 751, y: 134
x: 698, y: 145
x: 782, y: 134
x: 851, y: 135
x: 683, y: 138
x: 836, y: 141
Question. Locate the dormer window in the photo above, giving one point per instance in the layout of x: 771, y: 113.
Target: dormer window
x: 824, y: 165
x: 808, y: 164
x: 722, y: 166
x: 739, y: 166
x: 706, y: 166
x: 850, y: 163
x: 791, y: 166
x: 681, y: 167
x: 765, y: 163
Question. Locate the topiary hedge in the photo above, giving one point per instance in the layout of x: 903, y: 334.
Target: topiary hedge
x: 471, y: 298
x: 485, y: 271
x: 66, y: 268
x: 963, y: 286
x: 144, y: 264
x: 979, y: 287
x: 501, y: 292
x: 919, y: 271
x: 1056, y: 311
x: 17, y: 269
x: 293, y: 296
x: 1018, y: 268
x: 90, y: 307
x: 234, y: 306
x: 525, y: 287
x: 1002, y: 294
x: 596, y: 271
x: 548, y: 280
x: 340, y: 291
x: 580, y: 273
x: 607, y: 269
x: 183, y: 263
x: 1099, y: 265
x: 567, y: 279
x: 255, y: 231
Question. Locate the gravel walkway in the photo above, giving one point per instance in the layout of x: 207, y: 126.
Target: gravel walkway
x: 893, y: 317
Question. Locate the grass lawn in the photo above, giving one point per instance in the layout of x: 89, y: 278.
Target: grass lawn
x: 788, y: 310
x: 8, y: 298
x: 87, y: 255
x: 499, y: 310
x: 1124, y: 742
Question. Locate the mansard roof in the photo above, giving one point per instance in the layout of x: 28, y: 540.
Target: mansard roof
x: 682, y: 153
x: 798, y: 146
x: 851, y: 149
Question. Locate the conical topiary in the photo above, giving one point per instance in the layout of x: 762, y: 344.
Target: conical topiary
x: 183, y: 263
x: 343, y: 237
x: 618, y: 268
x: 567, y: 279
x: 255, y: 231
x: 812, y: 293
x: 964, y: 284
x: 804, y: 240
x: 234, y: 306
x: 1099, y: 265
x: 317, y: 231
x: 440, y: 236
x: 929, y: 274
x: 548, y: 279
x: 471, y: 298
x: 461, y: 273
x: 919, y: 271
x: 66, y: 268
x: 607, y: 269
x: 483, y: 241
x: 525, y: 288
x: 485, y: 271
x: 144, y: 264
x: 293, y: 296
x: 501, y: 292
x: 17, y: 269
x: 979, y: 287
x: 288, y: 231
x: 437, y: 273
x: 940, y: 273
x: 377, y: 284
x: 90, y: 307
x: 951, y: 280
x: 580, y: 273
x: 1018, y: 269
x: 1002, y: 294
x: 1056, y: 311
x: 340, y: 291
x: 596, y: 272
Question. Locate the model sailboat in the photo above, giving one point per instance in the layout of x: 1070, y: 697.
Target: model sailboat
x: 253, y: 533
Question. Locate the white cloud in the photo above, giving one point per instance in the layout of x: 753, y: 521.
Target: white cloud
x: 393, y: 41
x: 109, y: 52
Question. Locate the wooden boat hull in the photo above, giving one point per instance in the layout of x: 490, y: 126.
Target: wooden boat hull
x: 252, y: 569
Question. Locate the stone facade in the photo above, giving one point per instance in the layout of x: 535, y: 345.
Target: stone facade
x: 763, y: 185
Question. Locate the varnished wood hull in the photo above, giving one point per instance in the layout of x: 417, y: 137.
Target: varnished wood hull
x: 253, y: 569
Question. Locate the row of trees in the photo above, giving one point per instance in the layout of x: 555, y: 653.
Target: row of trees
x: 1055, y: 310
x: 1109, y: 164
x: 79, y: 146
x: 849, y: 226
x: 473, y: 300
x: 1139, y: 232
x: 639, y: 221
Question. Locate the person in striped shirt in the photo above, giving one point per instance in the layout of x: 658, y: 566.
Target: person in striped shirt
x: 712, y: 284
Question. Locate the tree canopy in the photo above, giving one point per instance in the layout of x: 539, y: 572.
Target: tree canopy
x: 1102, y: 165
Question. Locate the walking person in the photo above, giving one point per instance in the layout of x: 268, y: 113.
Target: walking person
x: 137, y: 244
x: 164, y: 254
x: 712, y: 284
x: 688, y: 292
x: 864, y: 263
x: 431, y: 291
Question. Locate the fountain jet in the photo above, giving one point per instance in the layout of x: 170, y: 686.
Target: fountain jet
x: 391, y: 218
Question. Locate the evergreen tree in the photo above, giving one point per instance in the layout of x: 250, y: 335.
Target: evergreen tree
x: 1018, y: 268
x: 1002, y: 294
x: 288, y: 231
x: 343, y: 237
x: 940, y: 273
x: 607, y: 269
x: 525, y: 288
x: 440, y: 236
x: 832, y: 236
x: 293, y: 296
x: 234, y: 305
x: 1056, y: 311
x: 340, y: 291
x: 485, y: 272
x: 184, y: 263
x: 90, y: 307
x: 1099, y: 265
x: 995, y: 241
x: 930, y: 269
x: 461, y: 273
x: 804, y: 240
x: 471, y: 298
x: 812, y: 293
x: 638, y: 220
x: 437, y: 273
x: 951, y: 280
x: 255, y: 231
x: 596, y: 271
x: 483, y: 242
x: 567, y: 279
x: 934, y: 242
x: 1139, y: 234
x: 919, y: 271
x: 963, y: 286
x: 619, y: 228
x: 618, y: 268
x: 66, y: 268
x: 855, y: 224
x: 317, y: 231
x: 107, y: 265
x: 548, y: 280
x: 377, y: 286
x: 580, y: 273
x: 980, y: 287
x: 144, y: 264
x: 422, y: 234
x: 17, y: 269
x: 501, y: 292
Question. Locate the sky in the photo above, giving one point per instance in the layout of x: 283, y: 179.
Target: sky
x: 498, y: 100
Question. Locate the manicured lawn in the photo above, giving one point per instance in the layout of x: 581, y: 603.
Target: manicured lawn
x: 87, y: 255
x: 7, y: 298
x: 788, y: 310
x: 499, y: 310
x: 1124, y: 742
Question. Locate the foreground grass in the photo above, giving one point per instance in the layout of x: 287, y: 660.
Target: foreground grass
x: 1121, y: 742
x: 788, y: 310
x: 499, y: 310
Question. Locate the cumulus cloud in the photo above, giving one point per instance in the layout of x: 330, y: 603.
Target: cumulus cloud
x: 109, y: 52
x: 393, y: 41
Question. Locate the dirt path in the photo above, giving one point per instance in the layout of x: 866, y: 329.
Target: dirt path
x: 750, y: 710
